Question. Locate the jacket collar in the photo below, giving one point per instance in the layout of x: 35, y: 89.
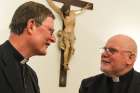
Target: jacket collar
x: 11, y: 68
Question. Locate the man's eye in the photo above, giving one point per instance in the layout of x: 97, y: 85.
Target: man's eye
x: 51, y: 30
x: 112, y: 50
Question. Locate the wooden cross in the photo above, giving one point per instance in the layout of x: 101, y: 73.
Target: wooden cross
x: 77, y: 3
x: 63, y: 72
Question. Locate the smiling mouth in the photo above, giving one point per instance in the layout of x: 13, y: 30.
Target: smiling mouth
x: 47, y: 44
x: 106, y: 62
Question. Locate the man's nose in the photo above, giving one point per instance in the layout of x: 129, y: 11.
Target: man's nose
x: 53, y: 39
x: 105, y: 54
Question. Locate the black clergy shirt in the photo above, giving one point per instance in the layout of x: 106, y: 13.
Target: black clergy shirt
x: 128, y: 83
x: 123, y: 84
x: 25, y: 76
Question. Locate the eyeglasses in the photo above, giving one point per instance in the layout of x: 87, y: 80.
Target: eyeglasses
x: 114, y: 50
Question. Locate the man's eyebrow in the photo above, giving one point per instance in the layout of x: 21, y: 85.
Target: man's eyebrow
x: 51, y: 29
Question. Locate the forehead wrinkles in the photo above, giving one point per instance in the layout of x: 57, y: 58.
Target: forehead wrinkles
x: 122, y: 42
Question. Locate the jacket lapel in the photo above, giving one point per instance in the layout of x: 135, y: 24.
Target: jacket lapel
x: 104, y: 86
x: 34, y: 79
x: 36, y: 86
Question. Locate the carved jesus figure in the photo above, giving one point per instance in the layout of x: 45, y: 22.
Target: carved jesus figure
x: 66, y: 35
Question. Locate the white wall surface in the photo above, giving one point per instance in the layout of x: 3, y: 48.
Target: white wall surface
x: 109, y: 17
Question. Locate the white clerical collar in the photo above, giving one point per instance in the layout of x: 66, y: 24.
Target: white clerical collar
x: 116, y: 79
x: 25, y: 60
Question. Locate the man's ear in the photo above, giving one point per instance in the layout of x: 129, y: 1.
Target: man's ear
x: 30, y: 25
x: 132, y: 58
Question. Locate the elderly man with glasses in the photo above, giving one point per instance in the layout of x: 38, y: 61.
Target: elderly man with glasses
x: 117, y: 61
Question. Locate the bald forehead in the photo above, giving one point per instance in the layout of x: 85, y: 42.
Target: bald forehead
x: 123, y: 42
x: 122, y: 38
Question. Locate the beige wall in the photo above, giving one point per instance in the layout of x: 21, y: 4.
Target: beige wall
x: 92, y: 29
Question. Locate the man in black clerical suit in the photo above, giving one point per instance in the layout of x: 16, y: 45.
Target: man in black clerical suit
x: 31, y: 34
x: 117, y: 60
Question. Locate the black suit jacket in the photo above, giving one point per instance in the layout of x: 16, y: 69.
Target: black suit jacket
x: 98, y: 84
x: 9, y: 74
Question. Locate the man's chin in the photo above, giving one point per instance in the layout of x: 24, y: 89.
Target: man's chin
x: 42, y: 53
x: 106, y: 72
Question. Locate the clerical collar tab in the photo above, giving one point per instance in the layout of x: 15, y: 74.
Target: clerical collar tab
x: 25, y: 60
x: 116, y: 79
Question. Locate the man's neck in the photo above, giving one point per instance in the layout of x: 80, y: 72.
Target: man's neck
x: 20, y: 45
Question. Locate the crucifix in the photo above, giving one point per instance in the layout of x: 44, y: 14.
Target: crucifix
x: 78, y: 3
x: 66, y: 36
